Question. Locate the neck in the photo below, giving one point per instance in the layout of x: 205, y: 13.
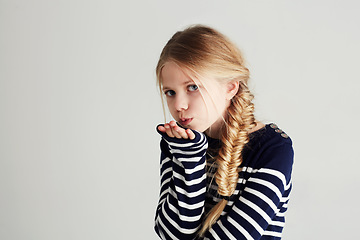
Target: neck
x: 258, y: 126
x: 216, y: 129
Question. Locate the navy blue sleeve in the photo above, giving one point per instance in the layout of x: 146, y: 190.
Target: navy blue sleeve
x: 183, y: 186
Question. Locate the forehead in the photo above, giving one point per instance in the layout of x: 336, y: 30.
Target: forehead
x: 172, y: 75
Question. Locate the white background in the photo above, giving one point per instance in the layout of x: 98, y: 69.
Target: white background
x: 79, y: 155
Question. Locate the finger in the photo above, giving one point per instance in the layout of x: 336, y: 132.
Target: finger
x: 190, y: 133
x: 173, y: 126
x: 176, y: 133
x: 172, y: 123
x: 181, y: 132
x: 168, y: 130
x: 161, y: 129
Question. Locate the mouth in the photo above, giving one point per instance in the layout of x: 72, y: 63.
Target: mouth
x: 185, y: 121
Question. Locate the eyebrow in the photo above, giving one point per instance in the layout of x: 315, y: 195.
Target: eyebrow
x: 185, y: 83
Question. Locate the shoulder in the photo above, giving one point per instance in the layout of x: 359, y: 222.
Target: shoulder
x: 270, y: 147
x: 270, y: 136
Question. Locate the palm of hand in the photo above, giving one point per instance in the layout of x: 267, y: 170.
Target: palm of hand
x: 173, y: 130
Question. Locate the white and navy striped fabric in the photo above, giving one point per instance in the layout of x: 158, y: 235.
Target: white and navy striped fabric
x: 188, y: 190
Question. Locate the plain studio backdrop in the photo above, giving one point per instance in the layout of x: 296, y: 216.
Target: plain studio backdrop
x: 79, y: 155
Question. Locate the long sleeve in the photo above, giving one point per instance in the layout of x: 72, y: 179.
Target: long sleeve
x: 183, y: 187
x: 257, y: 212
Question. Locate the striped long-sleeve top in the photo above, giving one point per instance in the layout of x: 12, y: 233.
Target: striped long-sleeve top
x: 188, y: 188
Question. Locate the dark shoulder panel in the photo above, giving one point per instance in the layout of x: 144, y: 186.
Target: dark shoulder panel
x: 269, y: 147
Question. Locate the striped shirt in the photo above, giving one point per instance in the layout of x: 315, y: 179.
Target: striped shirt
x: 188, y: 188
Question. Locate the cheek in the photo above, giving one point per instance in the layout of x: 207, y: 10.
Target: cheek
x: 170, y: 106
x: 172, y: 109
x: 218, y: 107
x: 201, y: 104
x: 168, y: 103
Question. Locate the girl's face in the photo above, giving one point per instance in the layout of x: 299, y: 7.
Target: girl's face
x: 192, y: 104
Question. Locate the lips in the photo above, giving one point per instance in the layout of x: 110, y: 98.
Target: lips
x: 185, y: 121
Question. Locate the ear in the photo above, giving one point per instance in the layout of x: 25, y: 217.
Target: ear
x: 231, y: 89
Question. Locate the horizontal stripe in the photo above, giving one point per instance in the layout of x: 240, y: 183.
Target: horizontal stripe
x: 176, y: 225
x: 240, y: 228
x: 189, y: 144
x: 165, y: 160
x: 186, y: 205
x: 268, y: 185
x: 191, y: 182
x: 214, y: 234
x: 277, y: 223
x: 159, y: 222
x: 276, y: 173
x: 195, y: 169
x: 190, y: 194
x: 188, y: 152
x: 161, y: 202
x: 165, y: 171
x: 263, y: 197
x: 257, y: 209
x: 287, y: 187
x: 167, y: 180
x: 226, y: 231
x: 190, y: 160
x: 280, y: 214
x: 184, y: 217
x: 274, y: 234
x: 248, y: 219
x: 163, y: 193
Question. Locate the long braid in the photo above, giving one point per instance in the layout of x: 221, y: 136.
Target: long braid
x: 239, y: 121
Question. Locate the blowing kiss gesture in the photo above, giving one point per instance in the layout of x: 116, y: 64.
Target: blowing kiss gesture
x: 173, y: 130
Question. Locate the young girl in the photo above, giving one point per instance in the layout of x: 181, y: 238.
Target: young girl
x: 224, y: 175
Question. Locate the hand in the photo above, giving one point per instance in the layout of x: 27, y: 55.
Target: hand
x: 173, y: 130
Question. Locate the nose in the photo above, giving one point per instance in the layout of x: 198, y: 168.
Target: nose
x: 181, y: 103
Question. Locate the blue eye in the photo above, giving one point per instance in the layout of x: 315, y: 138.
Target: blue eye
x: 170, y: 93
x: 193, y: 88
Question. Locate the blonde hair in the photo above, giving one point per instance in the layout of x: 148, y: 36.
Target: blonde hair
x: 204, y: 51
